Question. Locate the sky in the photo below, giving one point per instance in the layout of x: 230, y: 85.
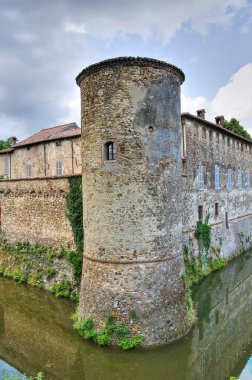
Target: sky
x: 45, y: 44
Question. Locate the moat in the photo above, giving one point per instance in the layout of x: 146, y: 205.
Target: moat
x: 36, y: 335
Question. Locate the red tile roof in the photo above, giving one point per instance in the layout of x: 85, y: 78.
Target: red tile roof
x: 54, y: 133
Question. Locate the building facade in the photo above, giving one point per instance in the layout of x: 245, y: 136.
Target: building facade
x: 52, y: 152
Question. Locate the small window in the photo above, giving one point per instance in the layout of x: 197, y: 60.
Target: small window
x: 226, y: 220
x: 29, y: 148
x: 200, y: 212
x: 201, y: 177
x: 58, y: 143
x: 28, y: 170
x: 248, y: 180
x: 110, y: 151
x: 217, y: 177
x: 6, y: 167
x: 217, y: 137
x: 229, y: 179
x: 239, y: 179
x: 216, y: 209
x: 204, y: 133
x: 210, y: 136
x: 59, y: 168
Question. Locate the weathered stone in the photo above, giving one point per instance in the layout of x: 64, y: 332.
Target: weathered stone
x: 129, y: 218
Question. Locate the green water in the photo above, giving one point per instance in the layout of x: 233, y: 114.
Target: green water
x: 36, y: 335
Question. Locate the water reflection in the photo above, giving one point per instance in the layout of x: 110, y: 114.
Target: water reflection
x: 36, y: 334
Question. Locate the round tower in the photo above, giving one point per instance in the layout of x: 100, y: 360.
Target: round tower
x: 131, y: 154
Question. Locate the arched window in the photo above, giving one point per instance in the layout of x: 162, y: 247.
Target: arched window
x: 110, y: 151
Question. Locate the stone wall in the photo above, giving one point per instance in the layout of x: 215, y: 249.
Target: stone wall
x: 35, y: 210
x: 132, y: 218
x: 230, y: 210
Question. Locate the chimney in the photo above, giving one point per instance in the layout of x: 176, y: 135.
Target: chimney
x: 220, y: 120
x: 201, y: 113
x: 13, y: 141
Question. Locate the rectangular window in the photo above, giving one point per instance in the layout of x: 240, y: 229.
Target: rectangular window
x: 58, y: 143
x: 200, y: 212
x: 216, y: 209
x: 6, y: 167
x: 248, y: 180
x: 28, y: 170
x: 217, y: 137
x: 217, y: 177
x: 229, y: 179
x: 59, y: 168
x: 239, y: 179
x: 210, y: 136
x: 201, y: 178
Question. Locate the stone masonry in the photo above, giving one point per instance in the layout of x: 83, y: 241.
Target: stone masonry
x: 35, y: 210
x: 132, y: 205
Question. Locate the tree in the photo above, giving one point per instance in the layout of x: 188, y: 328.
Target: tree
x: 5, y: 144
x: 235, y: 126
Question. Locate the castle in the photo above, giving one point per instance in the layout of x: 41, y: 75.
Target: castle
x: 149, y: 173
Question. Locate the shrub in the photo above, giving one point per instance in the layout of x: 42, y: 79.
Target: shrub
x: 62, y: 288
x: 130, y: 343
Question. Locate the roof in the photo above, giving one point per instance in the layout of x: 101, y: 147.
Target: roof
x: 55, y: 133
x: 4, y: 151
x: 215, y: 126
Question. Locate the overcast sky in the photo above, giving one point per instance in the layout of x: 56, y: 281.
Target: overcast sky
x: 45, y: 44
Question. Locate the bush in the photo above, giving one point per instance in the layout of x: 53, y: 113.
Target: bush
x: 62, y: 288
x: 130, y: 343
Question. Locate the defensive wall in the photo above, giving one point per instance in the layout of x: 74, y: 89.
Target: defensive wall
x: 35, y: 210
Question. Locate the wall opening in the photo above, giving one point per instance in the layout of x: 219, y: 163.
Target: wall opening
x: 226, y: 220
x: 200, y: 212
x: 110, y: 151
x: 216, y: 209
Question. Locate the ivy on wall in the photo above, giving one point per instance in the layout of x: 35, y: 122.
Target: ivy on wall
x: 75, y: 211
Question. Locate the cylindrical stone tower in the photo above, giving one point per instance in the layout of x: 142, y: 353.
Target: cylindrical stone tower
x: 131, y: 156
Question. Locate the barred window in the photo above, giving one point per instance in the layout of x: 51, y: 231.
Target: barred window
x: 28, y: 170
x: 59, y: 168
x: 6, y: 167
x: 217, y: 177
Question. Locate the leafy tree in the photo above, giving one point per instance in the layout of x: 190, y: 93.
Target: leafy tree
x: 235, y: 126
x: 4, y: 144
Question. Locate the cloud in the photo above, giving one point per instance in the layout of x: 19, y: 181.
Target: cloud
x: 71, y: 27
x: 234, y: 99
x: 45, y: 45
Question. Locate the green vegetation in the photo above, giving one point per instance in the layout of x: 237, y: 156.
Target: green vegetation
x: 245, y: 240
x: 62, y: 288
x: 233, y: 378
x: 5, y: 144
x: 235, y: 126
x: 33, y: 264
x: 75, y: 210
x: 197, y: 269
x: 203, y: 235
x: 113, y: 331
x: 24, y: 377
x: 75, y: 216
